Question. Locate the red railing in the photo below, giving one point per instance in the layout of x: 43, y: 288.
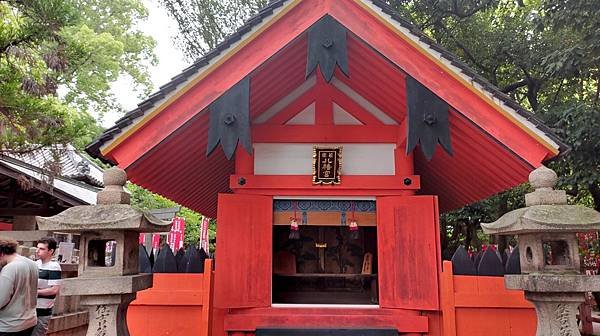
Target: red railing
x: 479, y: 305
x: 177, y: 304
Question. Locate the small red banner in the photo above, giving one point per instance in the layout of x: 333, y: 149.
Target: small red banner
x: 175, y: 237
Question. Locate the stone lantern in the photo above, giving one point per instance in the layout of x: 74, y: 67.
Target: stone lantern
x: 549, y: 253
x: 107, y: 282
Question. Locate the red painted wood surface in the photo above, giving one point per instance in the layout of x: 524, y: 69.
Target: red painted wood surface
x: 349, y: 182
x: 475, y: 305
x: 323, y: 95
x: 325, y: 133
x: 180, y: 170
x: 173, y: 301
x: 244, y: 257
x: 408, y: 252
x: 251, y: 319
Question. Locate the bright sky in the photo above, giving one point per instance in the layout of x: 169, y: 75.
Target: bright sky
x: 170, y: 61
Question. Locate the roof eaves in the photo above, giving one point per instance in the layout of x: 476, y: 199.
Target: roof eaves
x: 39, y: 170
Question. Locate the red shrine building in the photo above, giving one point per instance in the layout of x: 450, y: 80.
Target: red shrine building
x: 326, y: 137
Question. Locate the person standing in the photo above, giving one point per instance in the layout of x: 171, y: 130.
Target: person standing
x: 18, y: 291
x: 48, y: 284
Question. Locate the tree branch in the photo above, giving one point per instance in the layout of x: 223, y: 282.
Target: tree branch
x: 511, y: 87
x: 594, y: 189
x: 462, y: 47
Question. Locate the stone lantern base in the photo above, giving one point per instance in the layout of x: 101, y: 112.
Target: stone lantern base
x: 556, y: 299
x: 556, y: 312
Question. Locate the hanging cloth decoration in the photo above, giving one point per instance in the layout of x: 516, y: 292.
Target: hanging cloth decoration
x: 327, y: 46
x: 353, y: 226
x: 427, y: 120
x: 230, y: 121
x: 294, y: 228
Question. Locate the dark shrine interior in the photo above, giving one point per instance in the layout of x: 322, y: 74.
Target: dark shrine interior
x: 326, y: 265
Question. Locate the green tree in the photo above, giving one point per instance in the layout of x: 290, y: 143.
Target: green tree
x: 145, y: 200
x: 57, y: 61
x: 205, y: 23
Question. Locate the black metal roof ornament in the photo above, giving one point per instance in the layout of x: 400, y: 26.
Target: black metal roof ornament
x: 427, y: 119
x: 230, y: 120
x: 327, y: 46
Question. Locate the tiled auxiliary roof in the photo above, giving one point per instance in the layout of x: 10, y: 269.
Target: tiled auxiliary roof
x: 79, y: 185
x: 129, y: 118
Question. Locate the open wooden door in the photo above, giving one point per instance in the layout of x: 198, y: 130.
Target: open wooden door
x: 408, y: 245
x: 244, y: 251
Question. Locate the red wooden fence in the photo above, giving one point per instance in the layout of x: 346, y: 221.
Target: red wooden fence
x: 478, y: 305
x: 180, y: 304
x: 177, y: 304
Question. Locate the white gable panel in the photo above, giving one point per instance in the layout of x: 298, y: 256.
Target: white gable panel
x: 363, y: 102
x: 305, y: 117
x: 342, y: 117
x: 296, y: 159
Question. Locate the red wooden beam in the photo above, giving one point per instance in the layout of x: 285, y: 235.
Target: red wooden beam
x: 325, y: 133
x: 323, y: 103
x: 330, y: 317
x: 299, y: 182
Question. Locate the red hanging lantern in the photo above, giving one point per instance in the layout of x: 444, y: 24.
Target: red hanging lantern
x: 294, y: 228
x: 353, y: 226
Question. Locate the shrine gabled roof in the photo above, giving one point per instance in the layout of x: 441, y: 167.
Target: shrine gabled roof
x: 162, y: 142
x: 167, y: 89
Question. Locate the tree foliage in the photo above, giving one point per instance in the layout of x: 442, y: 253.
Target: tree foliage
x: 545, y: 54
x: 145, y: 200
x: 58, y: 59
x: 205, y: 23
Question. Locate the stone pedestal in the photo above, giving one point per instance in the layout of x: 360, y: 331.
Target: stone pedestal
x: 556, y: 313
x: 107, y: 314
x: 556, y: 299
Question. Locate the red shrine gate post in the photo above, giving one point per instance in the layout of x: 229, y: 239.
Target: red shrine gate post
x: 412, y: 133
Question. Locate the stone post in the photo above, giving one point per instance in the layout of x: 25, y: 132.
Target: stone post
x: 549, y: 255
x: 107, y: 282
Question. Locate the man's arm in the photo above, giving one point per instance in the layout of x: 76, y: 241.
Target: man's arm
x: 6, y: 290
x: 52, y: 290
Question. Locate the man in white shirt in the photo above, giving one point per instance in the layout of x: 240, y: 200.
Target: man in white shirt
x: 48, y: 284
x: 18, y: 282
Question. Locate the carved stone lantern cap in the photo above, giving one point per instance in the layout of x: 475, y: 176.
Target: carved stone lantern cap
x: 546, y: 211
x: 103, y: 217
x: 113, y: 211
